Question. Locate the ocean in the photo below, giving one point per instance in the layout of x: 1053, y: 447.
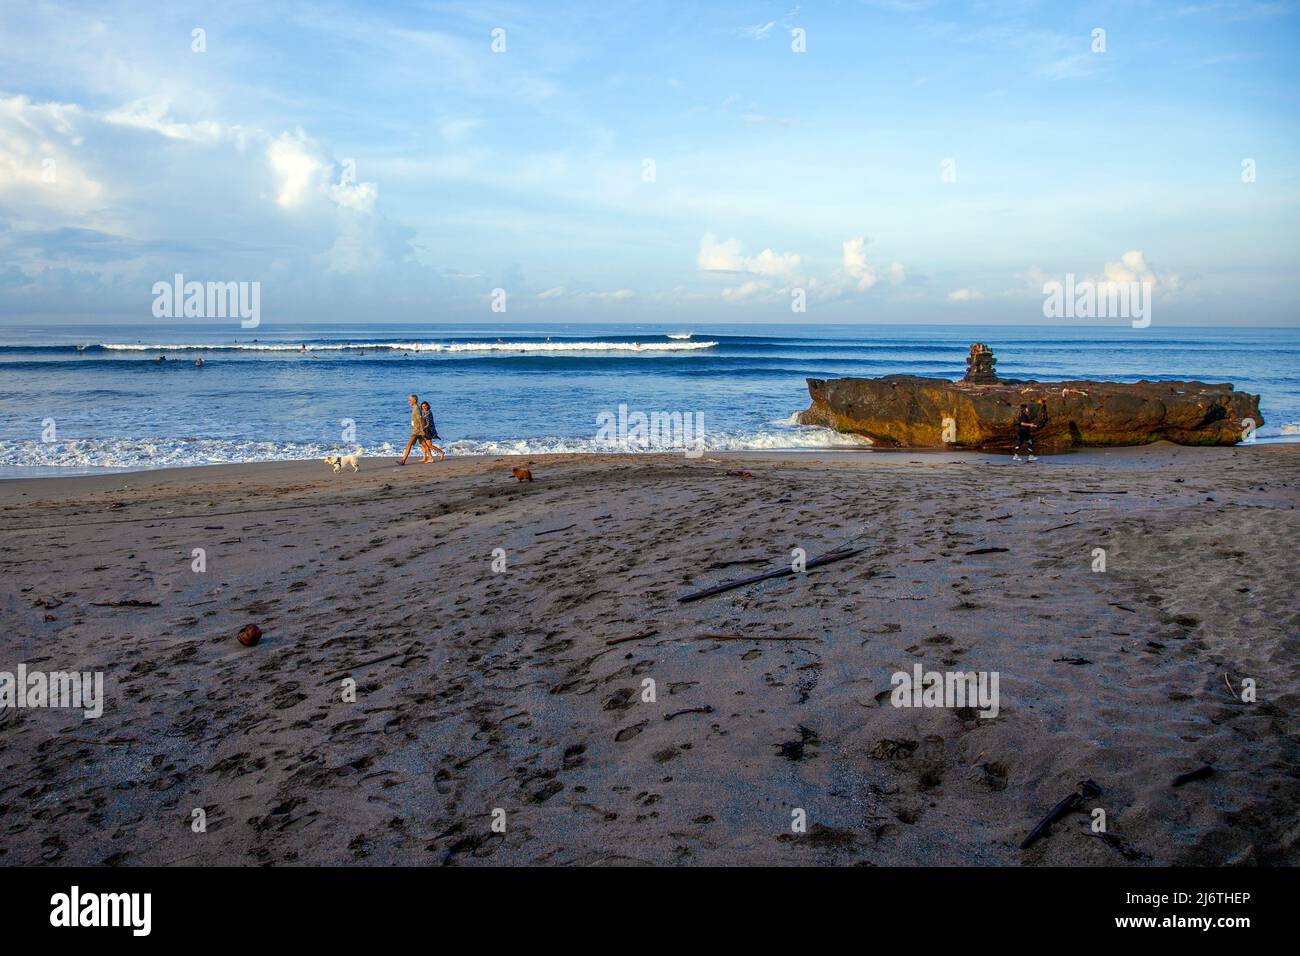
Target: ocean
x: 82, y: 399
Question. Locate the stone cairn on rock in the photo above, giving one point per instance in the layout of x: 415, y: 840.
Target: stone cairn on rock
x: 979, y: 365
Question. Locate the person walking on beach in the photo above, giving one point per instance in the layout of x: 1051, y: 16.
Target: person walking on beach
x: 417, y: 429
x: 430, y: 433
x: 1025, y: 427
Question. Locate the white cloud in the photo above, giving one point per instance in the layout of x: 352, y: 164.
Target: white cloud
x: 717, y: 256
x: 296, y: 169
x: 858, y: 268
x: 964, y: 295
x: 618, y: 295
x: 1132, y: 267
x: 1067, y: 67
x: 152, y: 113
x: 111, y: 199
x: 728, y: 256
x: 747, y: 290
x: 359, y: 197
x: 856, y: 265
x: 758, y: 31
x: 455, y: 130
x: 41, y: 165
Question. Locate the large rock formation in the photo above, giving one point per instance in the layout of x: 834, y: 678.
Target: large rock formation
x: 906, y: 411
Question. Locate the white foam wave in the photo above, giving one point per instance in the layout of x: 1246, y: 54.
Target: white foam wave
x: 142, y: 453
x: 447, y: 347
x: 1290, y: 428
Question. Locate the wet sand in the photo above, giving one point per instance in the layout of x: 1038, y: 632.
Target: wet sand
x: 522, y: 689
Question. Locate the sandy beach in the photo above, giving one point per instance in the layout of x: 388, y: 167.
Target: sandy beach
x: 522, y: 689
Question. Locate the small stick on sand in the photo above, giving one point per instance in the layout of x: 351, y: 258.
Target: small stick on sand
x: 1200, y: 773
x: 727, y: 564
x: 462, y: 764
x: 782, y: 573
x: 706, y: 709
x: 742, y: 637
x: 555, y: 530
x: 357, y: 667
x: 1115, y: 843
x: 634, y: 637
x: 1228, y: 680
x: 1086, y: 791
x: 111, y: 742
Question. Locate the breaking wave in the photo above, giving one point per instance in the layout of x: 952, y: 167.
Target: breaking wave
x: 147, y: 453
x: 448, y: 347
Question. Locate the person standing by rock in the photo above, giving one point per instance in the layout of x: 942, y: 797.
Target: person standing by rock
x: 1026, y: 425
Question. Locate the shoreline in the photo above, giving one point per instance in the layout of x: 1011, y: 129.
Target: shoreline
x: 54, y: 472
x: 522, y: 688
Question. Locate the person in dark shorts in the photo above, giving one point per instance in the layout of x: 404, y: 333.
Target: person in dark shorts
x: 430, y: 432
x: 417, y: 429
x: 1026, y: 425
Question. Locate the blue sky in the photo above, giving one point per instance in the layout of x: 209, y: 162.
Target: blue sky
x: 920, y: 162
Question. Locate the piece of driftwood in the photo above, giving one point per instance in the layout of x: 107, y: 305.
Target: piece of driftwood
x: 706, y: 709
x: 988, y: 551
x: 357, y: 667
x: 1085, y: 791
x: 1124, y: 849
x: 781, y: 573
x: 130, y: 602
x: 1095, y: 491
x: 554, y: 530
x: 634, y: 637
x: 1200, y: 773
x: 1059, y: 527
x: 1077, y: 661
x: 111, y: 742
x: 742, y: 637
x: 462, y: 764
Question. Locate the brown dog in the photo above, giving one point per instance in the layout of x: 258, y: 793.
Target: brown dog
x: 522, y: 474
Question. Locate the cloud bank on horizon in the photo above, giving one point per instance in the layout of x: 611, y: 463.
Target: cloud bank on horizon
x: 879, y: 162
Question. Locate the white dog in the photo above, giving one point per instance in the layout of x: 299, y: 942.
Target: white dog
x: 339, y: 462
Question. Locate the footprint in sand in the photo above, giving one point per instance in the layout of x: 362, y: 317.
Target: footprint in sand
x: 627, y: 733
